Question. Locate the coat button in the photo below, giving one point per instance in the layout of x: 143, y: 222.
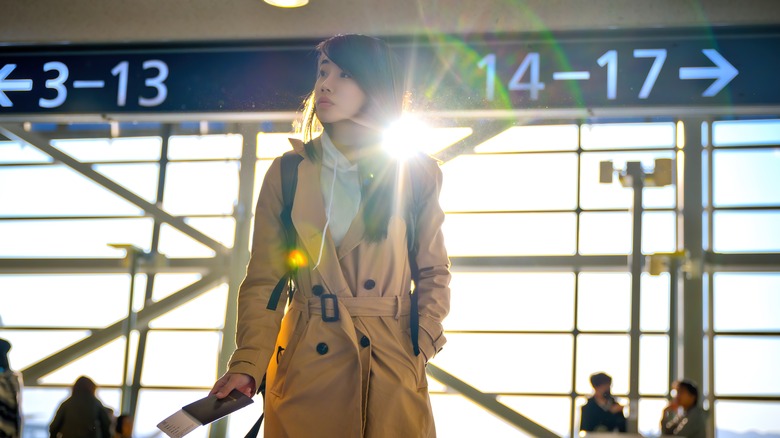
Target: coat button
x: 369, y: 284
x: 317, y: 290
x: 364, y: 341
x: 322, y: 348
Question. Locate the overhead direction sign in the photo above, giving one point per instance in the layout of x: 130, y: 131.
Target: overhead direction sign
x: 585, y: 70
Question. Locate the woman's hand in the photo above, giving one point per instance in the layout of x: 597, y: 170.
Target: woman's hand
x: 230, y: 381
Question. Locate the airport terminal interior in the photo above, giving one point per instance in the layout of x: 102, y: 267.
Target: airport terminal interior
x: 611, y: 184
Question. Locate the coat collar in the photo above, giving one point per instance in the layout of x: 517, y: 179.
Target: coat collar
x: 308, y: 216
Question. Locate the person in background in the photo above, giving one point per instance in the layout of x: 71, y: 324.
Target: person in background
x: 602, y: 413
x: 10, y: 396
x: 683, y: 416
x: 82, y: 415
x: 124, y: 426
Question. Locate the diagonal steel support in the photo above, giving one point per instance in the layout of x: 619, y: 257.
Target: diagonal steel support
x: 17, y: 133
x: 482, y: 132
x: 489, y: 402
x: 103, y: 336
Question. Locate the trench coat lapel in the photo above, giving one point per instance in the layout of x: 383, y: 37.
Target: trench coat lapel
x: 308, y: 217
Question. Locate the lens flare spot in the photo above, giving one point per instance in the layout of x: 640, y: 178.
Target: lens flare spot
x: 296, y: 259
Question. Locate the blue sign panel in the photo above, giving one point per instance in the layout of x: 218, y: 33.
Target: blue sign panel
x: 585, y: 70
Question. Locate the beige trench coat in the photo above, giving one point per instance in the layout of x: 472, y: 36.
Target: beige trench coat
x: 358, y: 376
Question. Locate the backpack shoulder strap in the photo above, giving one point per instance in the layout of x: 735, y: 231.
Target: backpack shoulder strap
x: 415, y: 170
x: 289, y: 171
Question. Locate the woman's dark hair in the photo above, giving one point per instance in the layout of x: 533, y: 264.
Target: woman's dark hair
x: 377, y: 71
x: 375, y: 68
x: 5, y: 347
x: 599, y: 379
x: 84, y: 385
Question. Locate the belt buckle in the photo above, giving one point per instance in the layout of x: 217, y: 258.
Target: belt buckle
x: 323, y: 302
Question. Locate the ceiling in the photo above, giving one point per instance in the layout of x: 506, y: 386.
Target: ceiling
x: 115, y: 21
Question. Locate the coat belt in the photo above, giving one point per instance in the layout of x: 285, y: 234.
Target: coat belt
x: 396, y: 306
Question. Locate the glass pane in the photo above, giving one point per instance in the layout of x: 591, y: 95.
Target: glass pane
x: 140, y: 179
x: 604, y: 302
x: 650, y: 410
x: 746, y: 177
x: 192, y: 147
x: 103, y: 365
x: 417, y: 136
x: 746, y: 301
x: 532, y: 138
x: 155, y: 405
x: 116, y: 149
x: 12, y: 152
x: 745, y: 132
x: 748, y: 231
x: 174, y: 243
x: 498, y: 301
x: 510, y: 234
x: 749, y: 419
x: 654, y: 313
x: 65, y: 297
x: 501, y: 182
x: 610, y: 233
x: 596, y: 195
x: 38, y: 408
x: 628, y: 135
x: 456, y: 416
x: 747, y: 365
x: 204, y: 311
x: 549, y: 412
x: 29, y: 347
x: 167, y: 284
x: 166, y: 351
x: 653, y: 364
x: 466, y: 356
x: 261, y: 168
x: 73, y: 238
x: 57, y: 191
x: 201, y: 188
x: 274, y: 144
x: 603, y: 353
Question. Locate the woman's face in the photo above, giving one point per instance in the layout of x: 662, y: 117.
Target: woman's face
x: 338, y: 96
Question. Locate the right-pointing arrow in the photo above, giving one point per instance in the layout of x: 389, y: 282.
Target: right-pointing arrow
x: 11, y: 84
x: 723, y: 71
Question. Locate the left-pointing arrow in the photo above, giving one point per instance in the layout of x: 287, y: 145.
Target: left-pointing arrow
x: 11, y: 84
x: 723, y: 71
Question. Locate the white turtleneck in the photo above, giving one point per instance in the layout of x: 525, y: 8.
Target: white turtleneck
x: 340, y: 183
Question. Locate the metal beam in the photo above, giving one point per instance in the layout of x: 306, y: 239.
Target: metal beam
x: 541, y: 263
x: 110, y: 265
x: 490, y: 403
x: 692, y: 291
x: 103, y: 336
x: 481, y: 132
x: 17, y: 133
x: 240, y: 256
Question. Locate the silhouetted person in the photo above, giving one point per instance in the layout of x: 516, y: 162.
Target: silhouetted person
x: 10, y: 389
x: 82, y: 415
x: 602, y: 412
x: 683, y: 416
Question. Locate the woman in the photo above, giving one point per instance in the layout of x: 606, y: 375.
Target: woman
x: 343, y: 363
x: 82, y: 415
